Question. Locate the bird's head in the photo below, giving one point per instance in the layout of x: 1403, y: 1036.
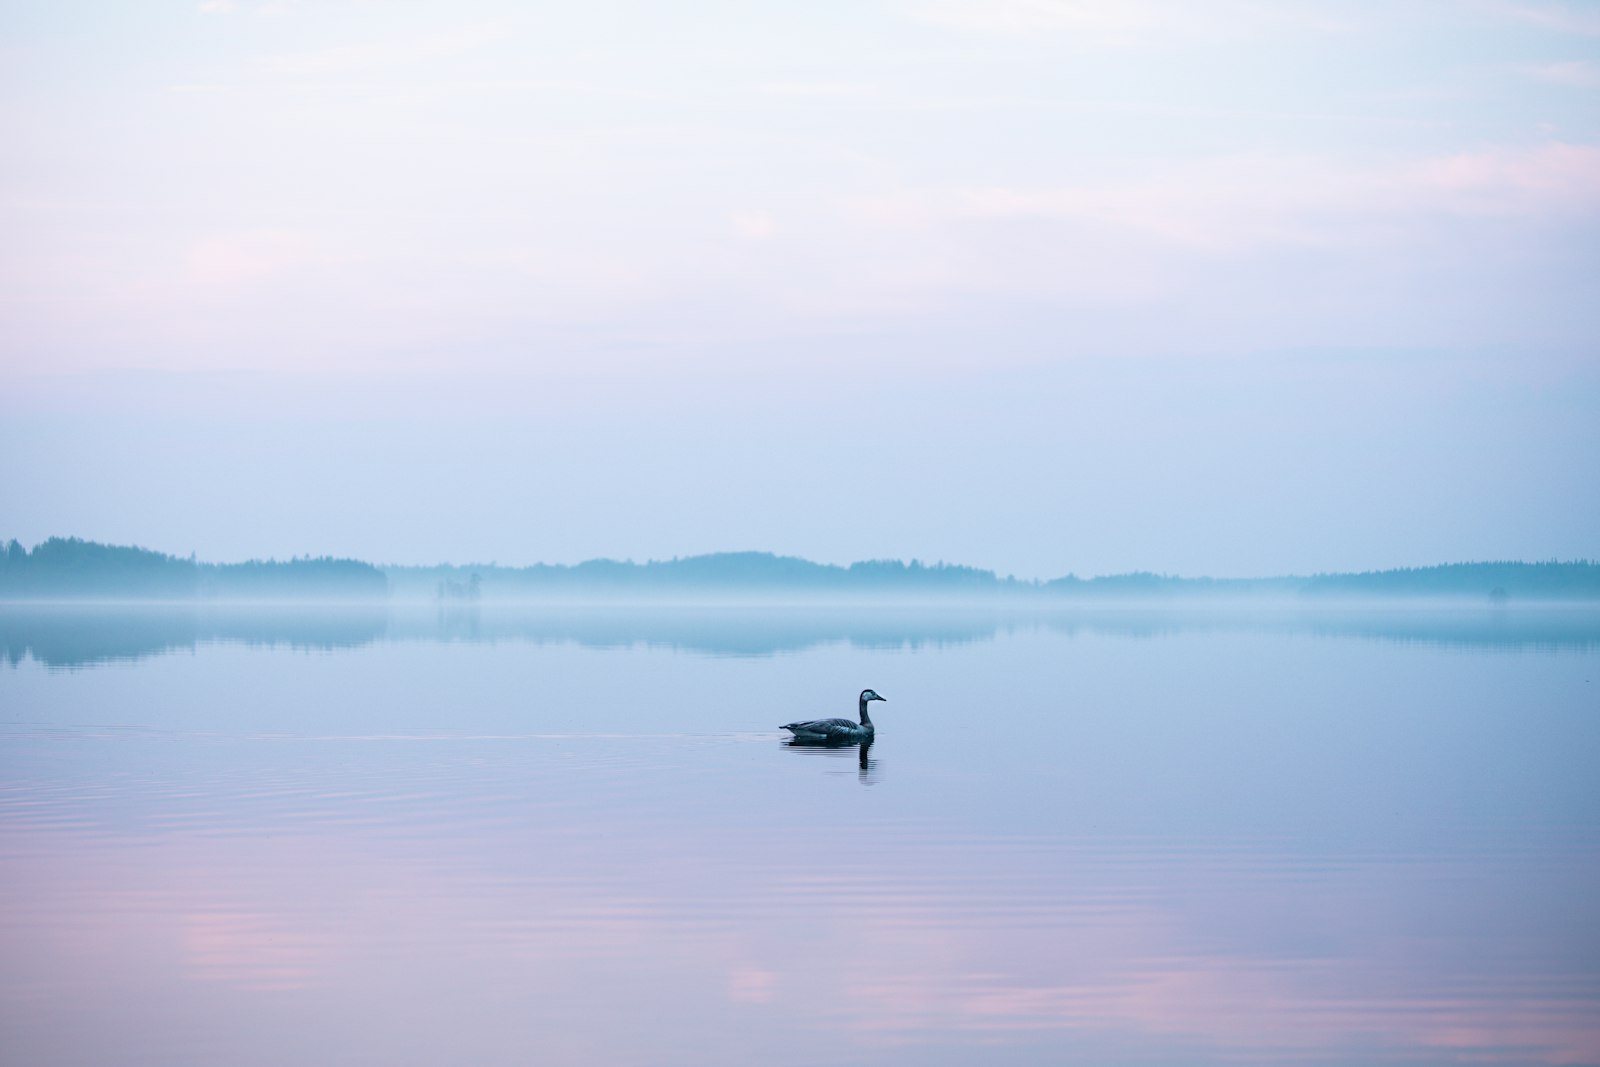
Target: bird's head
x: 867, y: 694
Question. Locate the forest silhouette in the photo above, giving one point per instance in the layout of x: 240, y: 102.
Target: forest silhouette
x: 72, y: 568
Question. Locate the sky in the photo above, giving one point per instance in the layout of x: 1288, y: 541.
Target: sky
x: 1210, y: 287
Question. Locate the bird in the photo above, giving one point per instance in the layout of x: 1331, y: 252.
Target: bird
x: 836, y: 731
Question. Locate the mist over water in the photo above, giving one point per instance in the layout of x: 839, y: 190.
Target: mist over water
x: 497, y: 835
x: 67, y: 634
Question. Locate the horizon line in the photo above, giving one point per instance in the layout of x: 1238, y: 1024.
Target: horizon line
x: 910, y: 564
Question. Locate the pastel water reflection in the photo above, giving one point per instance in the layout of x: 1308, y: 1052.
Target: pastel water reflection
x: 1180, y: 841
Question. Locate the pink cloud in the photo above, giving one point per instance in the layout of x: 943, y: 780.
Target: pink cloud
x: 1554, y: 179
x: 251, y: 257
x: 1561, y: 18
x: 1574, y: 73
x: 1244, y: 201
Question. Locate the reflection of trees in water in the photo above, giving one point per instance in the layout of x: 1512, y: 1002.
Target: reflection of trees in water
x: 456, y: 622
x: 1552, y: 629
x: 726, y: 631
x: 78, y: 634
x: 1548, y: 628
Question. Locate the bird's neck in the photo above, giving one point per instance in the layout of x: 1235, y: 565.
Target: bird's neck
x: 866, y: 720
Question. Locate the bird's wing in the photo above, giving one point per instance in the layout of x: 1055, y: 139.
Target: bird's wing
x: 828, y: 727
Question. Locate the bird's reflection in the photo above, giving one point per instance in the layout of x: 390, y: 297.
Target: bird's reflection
x: 866, y: 765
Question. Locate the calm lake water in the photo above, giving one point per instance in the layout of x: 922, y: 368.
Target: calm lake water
x: 575, y: 836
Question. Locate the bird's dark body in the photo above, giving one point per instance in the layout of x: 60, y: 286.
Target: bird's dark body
x: 836, y: 731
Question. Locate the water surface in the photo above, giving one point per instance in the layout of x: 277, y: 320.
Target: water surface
x: 502, y: 837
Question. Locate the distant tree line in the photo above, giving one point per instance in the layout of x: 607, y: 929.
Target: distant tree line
x: 763, y: 572
x: 68, y: 567
x: 723, y: 572
x: 1504, y: 580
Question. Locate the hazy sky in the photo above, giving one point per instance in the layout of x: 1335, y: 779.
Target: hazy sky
x: 1211, y: 286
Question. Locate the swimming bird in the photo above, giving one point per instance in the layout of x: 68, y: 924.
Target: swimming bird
x: 836, y: 731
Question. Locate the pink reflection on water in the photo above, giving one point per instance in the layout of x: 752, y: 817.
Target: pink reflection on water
x: 752, y: 985
x: 251, y: 950
x: 346, y: 934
